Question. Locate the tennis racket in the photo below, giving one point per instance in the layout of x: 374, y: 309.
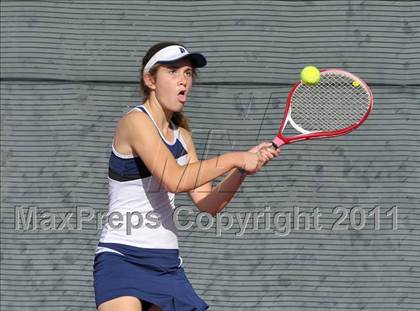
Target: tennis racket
x: 339, y: 103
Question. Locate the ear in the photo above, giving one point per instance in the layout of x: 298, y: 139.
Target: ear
x: 149, y: 81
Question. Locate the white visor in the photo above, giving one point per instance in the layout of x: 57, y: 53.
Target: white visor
x: 172, y: 54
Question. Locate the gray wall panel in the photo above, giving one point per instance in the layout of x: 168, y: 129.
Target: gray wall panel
x: 367, y: 168
x: 104, y: 41
x: 69, y: 71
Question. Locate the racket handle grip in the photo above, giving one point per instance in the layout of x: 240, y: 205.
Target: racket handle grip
x: 277, y: 142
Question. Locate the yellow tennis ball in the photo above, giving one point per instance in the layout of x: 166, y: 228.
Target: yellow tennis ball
x: 310, y: 75
x: 356, y: 83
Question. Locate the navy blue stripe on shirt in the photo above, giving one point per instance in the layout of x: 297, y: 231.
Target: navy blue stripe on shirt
x: 122, y: 169
x: 126, y: 169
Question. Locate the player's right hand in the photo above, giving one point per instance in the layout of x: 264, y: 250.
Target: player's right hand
x: 251, y: 162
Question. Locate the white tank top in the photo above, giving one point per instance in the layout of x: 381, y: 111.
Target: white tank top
x: 135, y: 193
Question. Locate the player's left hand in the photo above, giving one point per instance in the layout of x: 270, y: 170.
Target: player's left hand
x: 265, y: 152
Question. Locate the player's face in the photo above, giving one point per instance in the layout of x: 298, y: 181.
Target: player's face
x: 173, y: 83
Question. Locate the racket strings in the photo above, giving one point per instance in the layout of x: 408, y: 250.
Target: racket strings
x: 334, y: 103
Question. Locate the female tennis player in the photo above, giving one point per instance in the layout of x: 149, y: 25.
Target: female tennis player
x: 137, y: 263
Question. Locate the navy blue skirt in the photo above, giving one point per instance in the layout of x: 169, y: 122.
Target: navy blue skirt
x: 155, y: 276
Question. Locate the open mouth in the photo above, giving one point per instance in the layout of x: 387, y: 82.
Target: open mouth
x: 182, y: 96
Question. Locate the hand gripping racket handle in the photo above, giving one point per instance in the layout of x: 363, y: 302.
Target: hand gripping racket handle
x: 277, y: 142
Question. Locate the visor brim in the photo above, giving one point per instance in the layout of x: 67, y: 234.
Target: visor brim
x: 197, y: 60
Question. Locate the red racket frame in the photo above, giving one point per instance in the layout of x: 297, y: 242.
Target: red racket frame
x: 280, y: 139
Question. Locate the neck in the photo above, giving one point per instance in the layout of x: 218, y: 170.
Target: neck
x: 161, y: 115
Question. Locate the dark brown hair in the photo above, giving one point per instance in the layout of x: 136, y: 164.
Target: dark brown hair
x: 178, y: 118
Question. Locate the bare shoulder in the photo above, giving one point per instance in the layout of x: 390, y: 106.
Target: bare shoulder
x: 135, y: 117
x: 134, y: 122
x: 132, y: 127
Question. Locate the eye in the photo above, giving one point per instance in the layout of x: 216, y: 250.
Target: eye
x: 189, y: 73
x: 172, y: 70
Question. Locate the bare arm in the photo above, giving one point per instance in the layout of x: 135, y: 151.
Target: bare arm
x: 213, y: 199
x: 143, y: 137
x: 218, y: 197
